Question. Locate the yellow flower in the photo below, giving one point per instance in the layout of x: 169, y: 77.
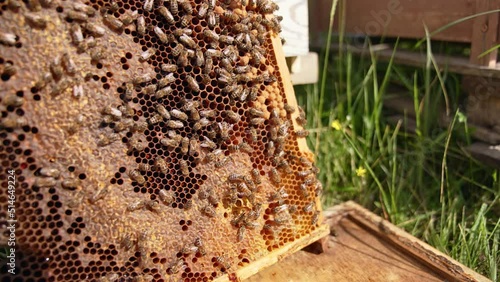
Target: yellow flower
x: 336, y: 125
x: 361, y: 172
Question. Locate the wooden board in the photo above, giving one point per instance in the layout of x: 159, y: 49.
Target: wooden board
x: 295, y: 26
x: 460, y: 65
x: 486, y: 153
x: 396, y: 18
x: 364, y: 247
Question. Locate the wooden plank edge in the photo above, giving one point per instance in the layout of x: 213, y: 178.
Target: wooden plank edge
x: 276, y: 256
x: 424, y: 253
x: 485, y: 153
x: 452, y: 64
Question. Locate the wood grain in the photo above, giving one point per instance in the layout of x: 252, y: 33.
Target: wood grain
x: 367, y: 248
x: 397, y: 18
x: 484, y: 34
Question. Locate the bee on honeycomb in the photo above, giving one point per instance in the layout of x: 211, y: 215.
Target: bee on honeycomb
x: 149, y: 140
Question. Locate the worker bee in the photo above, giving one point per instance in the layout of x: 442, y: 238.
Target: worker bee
x: 161, y: 165
x: 135, y: 175
x: 194, y: 147
x: 256, y: 112
x: 233, y: 148
x: 166, y: 198
x: 60, y: 87
x: 183, y: 58
x: 143, y: 278
x: 289, y: 108
x: 49, y: 172
x: 141, y: 25
x: 146, y: 55
x: 301, y: 119
x: 209, y: 63
x: 210, y: 34
x: 304, y: 173
x: 76, y: 200
x: 230, y: 16
x: 176, y: 124
x: 136, y: 205
x: 280, y: 208
x: 201, y: 247
x: 318, y: 189
x: 161, y: 35
x: 36, y: 21
x: 189, y: 249
x: 150, y: 89
x: 222, y: 262
x: 257, y: 121
x: 211, y: 19
x: 112, y: 277
x: 207, y: 143
x: 203, y: 194
x: 184, y: 167
x: 253, y: 134
x: 232, y: 116
x: 139, y: 126
x: 8, y: 39
x: 302, y: 133
x: 208, y: 113
x: 70, y: 183
x: 187, y: 41
x: 153, y: 205
x: 94, y: 30
x: 167, y: 14
x: 178, y: 114
x: 99, y: 195
x: 44, y: 182
x: 127, y: 242
x: 142, y: 78
x: 274, y: 176
x: 163, y: 92
x: 56, y: 68
x: 235, y: 177
x: 113, y: 22
x: 213, y: 199
x: 241, y: 233
x: 309, y: 207
x: 209, y: 211
x: 188, y: 204
x: 169, y: 68
x: 14, y: 4
x: 156, y: 118
x: 193, y: 85
x: 256, y: 176
x: 107, y: 139
x: 214, y: 53
x: 227, y: 39
x: 68, y: 64
x: 162, y: 111
x: 199, y: 58
x: 13, y: 100
x: 315, y: 218
x: 148, y: 5
x: 186, y: 20
x: 167, y: 142
x: 242, y: 69
x: 222, y: 162
x: 185, y: 145
x: 144, y: 167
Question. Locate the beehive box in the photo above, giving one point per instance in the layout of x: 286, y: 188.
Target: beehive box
x: 149, y: 141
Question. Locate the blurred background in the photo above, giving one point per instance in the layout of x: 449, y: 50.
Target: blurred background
x: 403, y: 108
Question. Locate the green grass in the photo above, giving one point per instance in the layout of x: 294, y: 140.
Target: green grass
x: 424, y: 182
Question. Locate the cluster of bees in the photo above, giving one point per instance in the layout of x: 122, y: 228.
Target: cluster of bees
x: 218, y: 48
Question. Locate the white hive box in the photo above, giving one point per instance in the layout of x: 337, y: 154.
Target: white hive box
x: 295, y: 25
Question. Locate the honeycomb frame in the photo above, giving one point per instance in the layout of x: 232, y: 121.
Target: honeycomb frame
x: 113, y: 187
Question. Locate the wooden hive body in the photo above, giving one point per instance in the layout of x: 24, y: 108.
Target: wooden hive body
x: 140, y: 137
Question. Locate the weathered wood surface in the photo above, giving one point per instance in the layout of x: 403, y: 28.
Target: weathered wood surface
x: 397, y: 18
x: 365, y: 247
x: 484, y: 34
x: 295, y: 26
x: 452, y: 64
x: 486, y: 153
